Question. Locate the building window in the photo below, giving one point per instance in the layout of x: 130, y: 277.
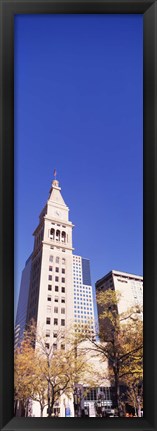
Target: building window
x: 63, y: 346
x: 49, y: 287
x: 63, y: 236
x: 50, y: 277
x: 47, y: 345
x: 57, y: 259
x: 63, y: 280
x: 55, y: 309
x: 57, y: 235
x: 56, y: 278
x: 55, y: 335
x: 56, y: 299
x: 51, y: 258
x: 48, y: 320
x: 63, y: 301
x: 62, y: 322
x: 47, y: 333
x: 50, y: 268
x: 57, y: 269
x: 49, y: 298
x: 52, y: 233
x: 63, y: 289
x: 63, y: 270
x: 62, y: 310
x: 54, y: 346
x: 63, y: 260
x: 56, y: 289
x: 55, y: 321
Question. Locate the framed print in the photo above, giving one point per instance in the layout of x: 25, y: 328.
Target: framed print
x: 78, y: 110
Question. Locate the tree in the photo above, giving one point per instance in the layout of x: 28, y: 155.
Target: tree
x: 121, y: 341
x: 28, y: 380
x: 44, y: 371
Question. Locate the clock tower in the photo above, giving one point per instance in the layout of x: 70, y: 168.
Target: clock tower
x: 51, y: 283
x: 56, y: 290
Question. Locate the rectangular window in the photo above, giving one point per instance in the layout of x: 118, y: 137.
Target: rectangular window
x: 63, y: 289
x: 55, y: 334
x: 49, y: 298
x: 63, y: 270
x: 56, y: 299
x: 47, y: 333
x: 50, y: 268
x: 63, y: 260
x: 57, y: 259
x: 54, y: 346
x: 62, y: 322
x: 63, y: 346
x: 50, y: 277
x: 62, y: 310
x: 57, y: 269
x: 63, y: 280
x: 49, y: 287
x: 56, y: 278
x: 63, y: 301
x: 55, y: 309
x: 56, y: 288
x: 51, y: 258
x: 47, y: 345
x: 55, y: 321
x: 48, y: 320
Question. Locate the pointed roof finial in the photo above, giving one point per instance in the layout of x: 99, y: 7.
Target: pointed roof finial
x: 55, y: 182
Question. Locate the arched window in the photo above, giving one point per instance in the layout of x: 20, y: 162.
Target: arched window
x: 57, y: 235
x: 63, y: 236
x: 52, y: 233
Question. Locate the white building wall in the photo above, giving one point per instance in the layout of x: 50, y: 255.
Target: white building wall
x: 56, y: 267
x: 130, y: 288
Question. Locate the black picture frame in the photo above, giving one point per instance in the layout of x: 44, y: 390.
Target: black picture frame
x: 149, y: 10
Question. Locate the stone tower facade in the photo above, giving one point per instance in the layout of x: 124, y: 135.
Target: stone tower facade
x: 51, y: 294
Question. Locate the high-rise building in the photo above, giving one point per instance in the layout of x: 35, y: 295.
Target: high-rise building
x: 129, y: 290
x: 21, y: 315
x: 56, y: 285
x: 129, y: 286
x: 83, y: 294
x: 51, y: 292
x: 56, y: 288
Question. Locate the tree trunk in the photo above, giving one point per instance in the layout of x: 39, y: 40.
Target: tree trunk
x: 26, y: 408
x: 52, y: 397
x: 117, y: 392
x: 49, y: 406
x: 41, y: 410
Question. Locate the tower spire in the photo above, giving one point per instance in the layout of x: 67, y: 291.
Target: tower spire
x: 55, y: 173
x: 55, y: 183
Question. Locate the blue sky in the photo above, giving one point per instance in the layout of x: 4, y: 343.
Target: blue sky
x: 79, y: 109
